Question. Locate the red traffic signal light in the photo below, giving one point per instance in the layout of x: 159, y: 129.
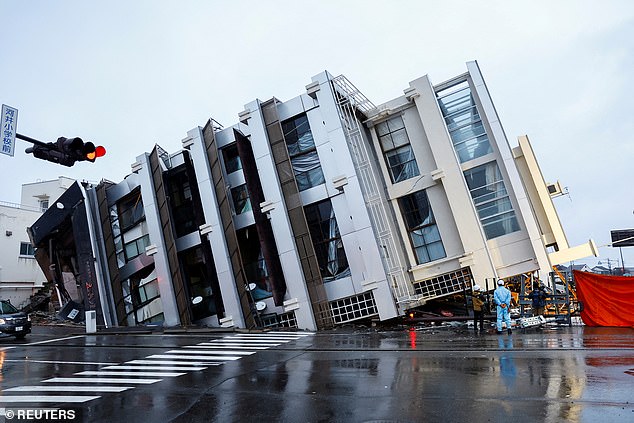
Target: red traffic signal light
x: 98, y: 151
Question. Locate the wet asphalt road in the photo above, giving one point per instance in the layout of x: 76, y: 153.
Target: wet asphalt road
x: 573, y: 374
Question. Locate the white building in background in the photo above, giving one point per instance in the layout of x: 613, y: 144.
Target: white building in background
x: 20, y: 274
x: 315, y: 211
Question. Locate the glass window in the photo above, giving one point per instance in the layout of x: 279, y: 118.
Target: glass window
x: 43, y: 205
x: 254, y: 264
x: 181, y: 201
x: 7, y: 308
x: 492, y: 201
x: 131, y: 211
x: 397, y: 150
x: 324, y: 233
x: 307, y: 170
x: 241, y: 200
x: 141, y: 298
x: 136, y: 247
x: 464, y: 124
x: 200, y: 277
x: 232, y: 160
x: 26, y: 249
x: 301, y: 149
x: 421, y: 226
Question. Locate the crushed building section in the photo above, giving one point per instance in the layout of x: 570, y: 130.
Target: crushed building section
x: 313, y: 212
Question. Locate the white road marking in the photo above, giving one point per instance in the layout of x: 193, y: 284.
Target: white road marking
x: 100, y: 380
x: 276, y: 337
x: 124, y: 373
x: 293, y: 333
x: 209, y: 352
x: 249, y: 346
x: 180, y: 363
x: 55, y: 340
x: 246, y: 342
x: 69, y: 388
x: 28, y: 360
x: 147, y: 367
x: 195, y: 357
x: 45, y: 398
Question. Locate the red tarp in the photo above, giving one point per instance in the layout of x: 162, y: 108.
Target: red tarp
x: 607, y: 300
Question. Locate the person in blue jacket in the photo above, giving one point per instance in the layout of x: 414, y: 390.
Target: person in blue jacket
x: 538, y: 298
x: 502, y: 298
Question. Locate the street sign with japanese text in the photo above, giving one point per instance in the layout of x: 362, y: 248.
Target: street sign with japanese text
x: 9, y: 128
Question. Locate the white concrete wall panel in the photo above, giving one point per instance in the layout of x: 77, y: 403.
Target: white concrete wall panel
x: 170, y: 310
x: 463, y: 212
x: 532, y: 245
x: 216, y: 237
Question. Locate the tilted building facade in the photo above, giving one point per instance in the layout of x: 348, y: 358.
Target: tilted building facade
x: 321, y: 210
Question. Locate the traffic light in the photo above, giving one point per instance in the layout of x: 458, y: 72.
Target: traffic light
x: 67, y: 151
x: 50, y: 152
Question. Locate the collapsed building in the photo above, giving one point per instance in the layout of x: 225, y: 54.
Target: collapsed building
x: 312, y: 212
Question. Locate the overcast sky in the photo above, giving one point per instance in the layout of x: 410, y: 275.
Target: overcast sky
x: 131, y: 74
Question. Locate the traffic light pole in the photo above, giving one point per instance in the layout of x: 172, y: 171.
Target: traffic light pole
x: 29, y: 139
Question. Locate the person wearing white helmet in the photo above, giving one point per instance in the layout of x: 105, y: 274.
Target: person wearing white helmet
x: 502, y: 298
x: 477, y: 301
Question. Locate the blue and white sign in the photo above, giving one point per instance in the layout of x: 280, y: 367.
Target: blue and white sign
x: 9, y: 128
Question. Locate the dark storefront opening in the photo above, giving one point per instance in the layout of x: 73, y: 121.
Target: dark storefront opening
x: 254, y: 265
x: 200, y: 277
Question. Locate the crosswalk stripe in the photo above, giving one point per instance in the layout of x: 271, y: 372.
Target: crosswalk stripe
x: 68, y: 388
x: 124, y: 373
x: 247, y: 342
x: 247, y: 335
x: 293, y: 333
x: 181, y: 363
x: 258, y: 340
x: 219, y: 350
x: 28, y: 360
x: 170, y: 364
x: 148, y: 367
x: 209, y: 352
x: 46, y: 398
x: 226, y: 346
x: 195, y: 357
x: 100, y: 380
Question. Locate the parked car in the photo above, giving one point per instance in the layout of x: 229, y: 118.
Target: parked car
x: 13, y: 322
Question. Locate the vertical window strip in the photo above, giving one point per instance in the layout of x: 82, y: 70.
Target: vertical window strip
x: 464, y: 125
x: 491, y: 200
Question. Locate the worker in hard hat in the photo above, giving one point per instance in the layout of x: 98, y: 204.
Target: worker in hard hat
x: 502, y: 298
x: 478, y: 302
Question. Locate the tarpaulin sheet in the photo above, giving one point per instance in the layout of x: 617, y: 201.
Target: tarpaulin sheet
x: 607, y: 300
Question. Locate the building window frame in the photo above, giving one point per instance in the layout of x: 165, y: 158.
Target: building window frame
x: 421, y: 227
x: 492, y: 200
x: 397, y: 150
x: 327, y: 242
x: 464, y: 122
x: 231, y: 159
x: 27, y: 249
x: 130, y: 211
x: 302, y: 152
x: 43, y: 204
x: 241, y: 199
x: 136, y: 247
